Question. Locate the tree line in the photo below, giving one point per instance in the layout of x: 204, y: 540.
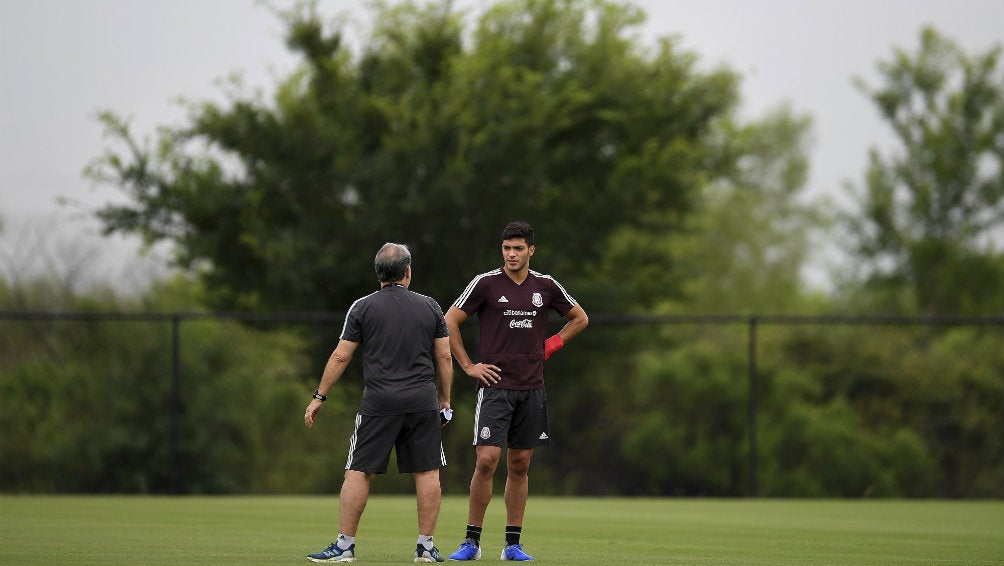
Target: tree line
x: 650, y: 195
x: 843, y: 408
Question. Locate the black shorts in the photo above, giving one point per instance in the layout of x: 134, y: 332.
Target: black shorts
x: 416, y: 437
x: 514, y: 417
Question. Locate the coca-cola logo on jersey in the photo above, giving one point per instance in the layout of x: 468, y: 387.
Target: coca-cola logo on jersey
x: 525, y: 323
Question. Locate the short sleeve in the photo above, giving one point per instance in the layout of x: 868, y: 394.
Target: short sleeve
x: 352, y: 330
x: 561, y: 302
x: 441, y: 330
x: 473, y: 296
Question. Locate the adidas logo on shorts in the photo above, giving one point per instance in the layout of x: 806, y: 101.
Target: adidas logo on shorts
x: 543, y: 436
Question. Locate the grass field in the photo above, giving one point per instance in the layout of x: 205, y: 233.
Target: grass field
x: 574, y: 531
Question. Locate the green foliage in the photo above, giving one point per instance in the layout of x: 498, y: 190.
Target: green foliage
x: 627, y: 158
x: 550, y: 112
x: 815, y: 451
x: 91, y: 400
x: 929, y: 213
x: 880, y: 412
x: 688, y: 406
x: 745, y: 246
x: 842, y: 411
x: 647, y: 194
x: 640, y: 409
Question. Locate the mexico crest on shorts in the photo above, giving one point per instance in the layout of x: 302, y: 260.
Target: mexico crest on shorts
x: 486, y: 433
x: 537, y: 300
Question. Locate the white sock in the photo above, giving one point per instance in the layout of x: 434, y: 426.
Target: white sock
x: 425, y: 541
x: 345, y: 541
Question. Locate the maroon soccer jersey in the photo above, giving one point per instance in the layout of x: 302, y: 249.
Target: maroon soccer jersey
x: 513, y: 322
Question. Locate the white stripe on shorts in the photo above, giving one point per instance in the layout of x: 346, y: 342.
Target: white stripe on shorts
x: 477, y: 413
x: 352, y: 440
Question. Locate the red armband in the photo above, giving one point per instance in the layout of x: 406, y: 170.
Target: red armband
x: 552, y: 345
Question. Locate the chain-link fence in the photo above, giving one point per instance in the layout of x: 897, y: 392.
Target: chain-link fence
x: 639, y: 405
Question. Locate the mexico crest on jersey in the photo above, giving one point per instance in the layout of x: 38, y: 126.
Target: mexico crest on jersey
x: 537, y: 300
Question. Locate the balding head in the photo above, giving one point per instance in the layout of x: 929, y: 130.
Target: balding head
x: 392, y: 262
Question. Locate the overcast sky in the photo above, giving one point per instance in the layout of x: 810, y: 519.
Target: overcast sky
x: 64, y: 60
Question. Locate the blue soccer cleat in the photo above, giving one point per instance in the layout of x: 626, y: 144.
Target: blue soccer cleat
x: 334, y: 554
x: 515, y: 552
x: 423, y: 555
x: 467, y: 551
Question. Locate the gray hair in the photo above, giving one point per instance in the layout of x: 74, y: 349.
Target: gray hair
x: 391, y: 262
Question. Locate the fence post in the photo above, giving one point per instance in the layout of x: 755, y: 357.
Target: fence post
x: 751, y: 411
x: 175, y: 398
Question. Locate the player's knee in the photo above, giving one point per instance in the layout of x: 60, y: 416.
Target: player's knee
x: 519, y: 466
x: 486, y: 465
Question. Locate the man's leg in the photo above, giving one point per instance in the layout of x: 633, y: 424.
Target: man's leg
x: 352, y: 501
x: 487, y: 460
x: 516, y: 484
x: 429, y: 495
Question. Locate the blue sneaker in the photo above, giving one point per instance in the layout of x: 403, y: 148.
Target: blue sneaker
x: 467, y: 551
x: 423, y: 555
x: 515, y: 552
x: 334, y: 554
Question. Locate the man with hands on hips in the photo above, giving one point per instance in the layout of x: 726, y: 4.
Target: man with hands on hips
x: 512, y: 305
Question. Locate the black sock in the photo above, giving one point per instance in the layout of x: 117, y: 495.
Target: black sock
x: 512, y: 533
x: 474, y: 533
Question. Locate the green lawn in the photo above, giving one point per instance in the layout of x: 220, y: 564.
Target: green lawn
x: 580, y: 531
